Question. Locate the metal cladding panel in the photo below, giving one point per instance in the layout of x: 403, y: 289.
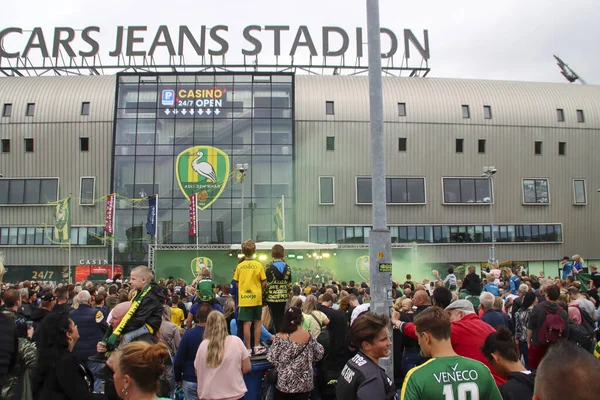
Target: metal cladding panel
x: 479, y: 253
x: 56, y: 128
x: 522, y: 113
x: 58, y: 99
x: 439, y: 100
x: 51, y: 256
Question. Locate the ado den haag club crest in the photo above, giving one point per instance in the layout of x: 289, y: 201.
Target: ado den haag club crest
x: 203, y: 170
x: 200, y: 262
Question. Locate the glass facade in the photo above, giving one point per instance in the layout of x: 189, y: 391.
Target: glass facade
x: 217, y: 121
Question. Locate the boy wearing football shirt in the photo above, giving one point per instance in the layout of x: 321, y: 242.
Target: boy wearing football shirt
x: 251, y: 279
x: 446, y: 376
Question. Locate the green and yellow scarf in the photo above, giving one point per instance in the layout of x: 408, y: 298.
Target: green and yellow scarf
x: 135, y: 304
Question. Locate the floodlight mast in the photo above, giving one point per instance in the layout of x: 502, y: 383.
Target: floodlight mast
x: 568, y: 72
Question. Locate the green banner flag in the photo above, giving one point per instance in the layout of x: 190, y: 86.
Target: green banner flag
x: 278, y: 219
x: 62, y: 221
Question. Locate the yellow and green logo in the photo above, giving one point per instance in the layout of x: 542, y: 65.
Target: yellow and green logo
x: 362, y: 267
x: 203, y: 170
x: 200, y: 262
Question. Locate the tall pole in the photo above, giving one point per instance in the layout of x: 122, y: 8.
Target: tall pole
x: 242, y: 212
x: 70, y: 276
x: 493, y: 248
x: 156, y: 222
x: 112, y: 250
x: 283, y: 216
x: 380, y: 248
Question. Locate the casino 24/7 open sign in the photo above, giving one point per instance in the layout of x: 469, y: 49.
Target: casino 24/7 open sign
x: 203, y: 170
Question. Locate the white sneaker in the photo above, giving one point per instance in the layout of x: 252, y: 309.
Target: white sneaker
x: 258, y: 350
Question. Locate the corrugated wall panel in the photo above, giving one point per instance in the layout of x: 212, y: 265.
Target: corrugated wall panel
x: 521, y: 114
x: 56, y: 128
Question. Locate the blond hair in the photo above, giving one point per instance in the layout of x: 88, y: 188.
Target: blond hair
x: 229, y: 307
x: 296, y: 302
x: 215, y: 334
x: 577, y: 257
x: 309, y: 305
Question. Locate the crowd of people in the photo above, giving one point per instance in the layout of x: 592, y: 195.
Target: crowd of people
x: 502, y: 334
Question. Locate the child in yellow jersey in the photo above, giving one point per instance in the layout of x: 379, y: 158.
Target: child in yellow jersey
x: 251, y: 279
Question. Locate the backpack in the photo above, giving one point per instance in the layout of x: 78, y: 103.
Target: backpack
x: 553, y: 327
x: 583, y: 335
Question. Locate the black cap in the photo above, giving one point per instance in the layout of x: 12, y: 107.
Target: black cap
x: 565, y: 258
x: 47, y: 297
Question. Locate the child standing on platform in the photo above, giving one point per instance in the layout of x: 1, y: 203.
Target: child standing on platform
x: 251, y: 279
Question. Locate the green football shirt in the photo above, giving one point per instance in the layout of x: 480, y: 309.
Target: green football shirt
x: 450, y: 378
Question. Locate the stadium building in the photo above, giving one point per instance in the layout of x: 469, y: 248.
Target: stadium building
x: 302, y: 142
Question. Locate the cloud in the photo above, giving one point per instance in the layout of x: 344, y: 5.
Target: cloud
x: 511, y: 40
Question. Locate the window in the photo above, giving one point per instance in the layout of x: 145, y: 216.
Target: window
x: 86, y: 191
x: 40, y: 236
x: 6, y: 145
x: 402, y: 109
x: 402, y: 144
x: 7, y: 110
x: 28, y: 191
x: 439, y: 234
x: 329, y: 108
x: 538, y: 148
x: 85, y: 108
x: 330, y: 143
x: 580, y: 117
x: 579, y: 191
x: 398, y: 190
x: 459, y: 145
x: 29, y: 145
x: 535, y: 191
x: 466, y: 190
x: 562, y: 148
x: 481, y: 146
x: 465, y: 111
x: 326, y: 190
x: 84, y: 144
x: 487, y: 112
x: 560, y: 115
x: 30, y: 109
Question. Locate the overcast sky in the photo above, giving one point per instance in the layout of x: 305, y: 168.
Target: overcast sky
x: 509, y: 40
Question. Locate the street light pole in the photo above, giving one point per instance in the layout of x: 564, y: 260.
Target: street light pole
x: 488, y: 172
x: 380, y: 248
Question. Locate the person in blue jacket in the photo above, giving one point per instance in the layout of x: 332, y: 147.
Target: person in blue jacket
x: 513, y: 281
x: 577, y: 263
x: 184, y: 371
x: 491, y: 286
x: 567, y: 268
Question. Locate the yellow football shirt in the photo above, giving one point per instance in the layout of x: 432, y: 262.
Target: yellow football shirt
x: 249, y: 275
x: 177, y: 316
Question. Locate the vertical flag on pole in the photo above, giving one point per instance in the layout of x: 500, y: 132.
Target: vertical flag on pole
x: 62, y: 221
x: 151, y: 222
x: 193, y: 214
x: 278, y: 218
x: 110, y: 209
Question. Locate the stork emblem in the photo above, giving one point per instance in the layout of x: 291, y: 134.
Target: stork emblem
x: 203, y: 170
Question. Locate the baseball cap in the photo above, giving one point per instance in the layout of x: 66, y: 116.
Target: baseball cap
x: 565, y: 258
x: 47, y: 297
x: 462, y: 305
